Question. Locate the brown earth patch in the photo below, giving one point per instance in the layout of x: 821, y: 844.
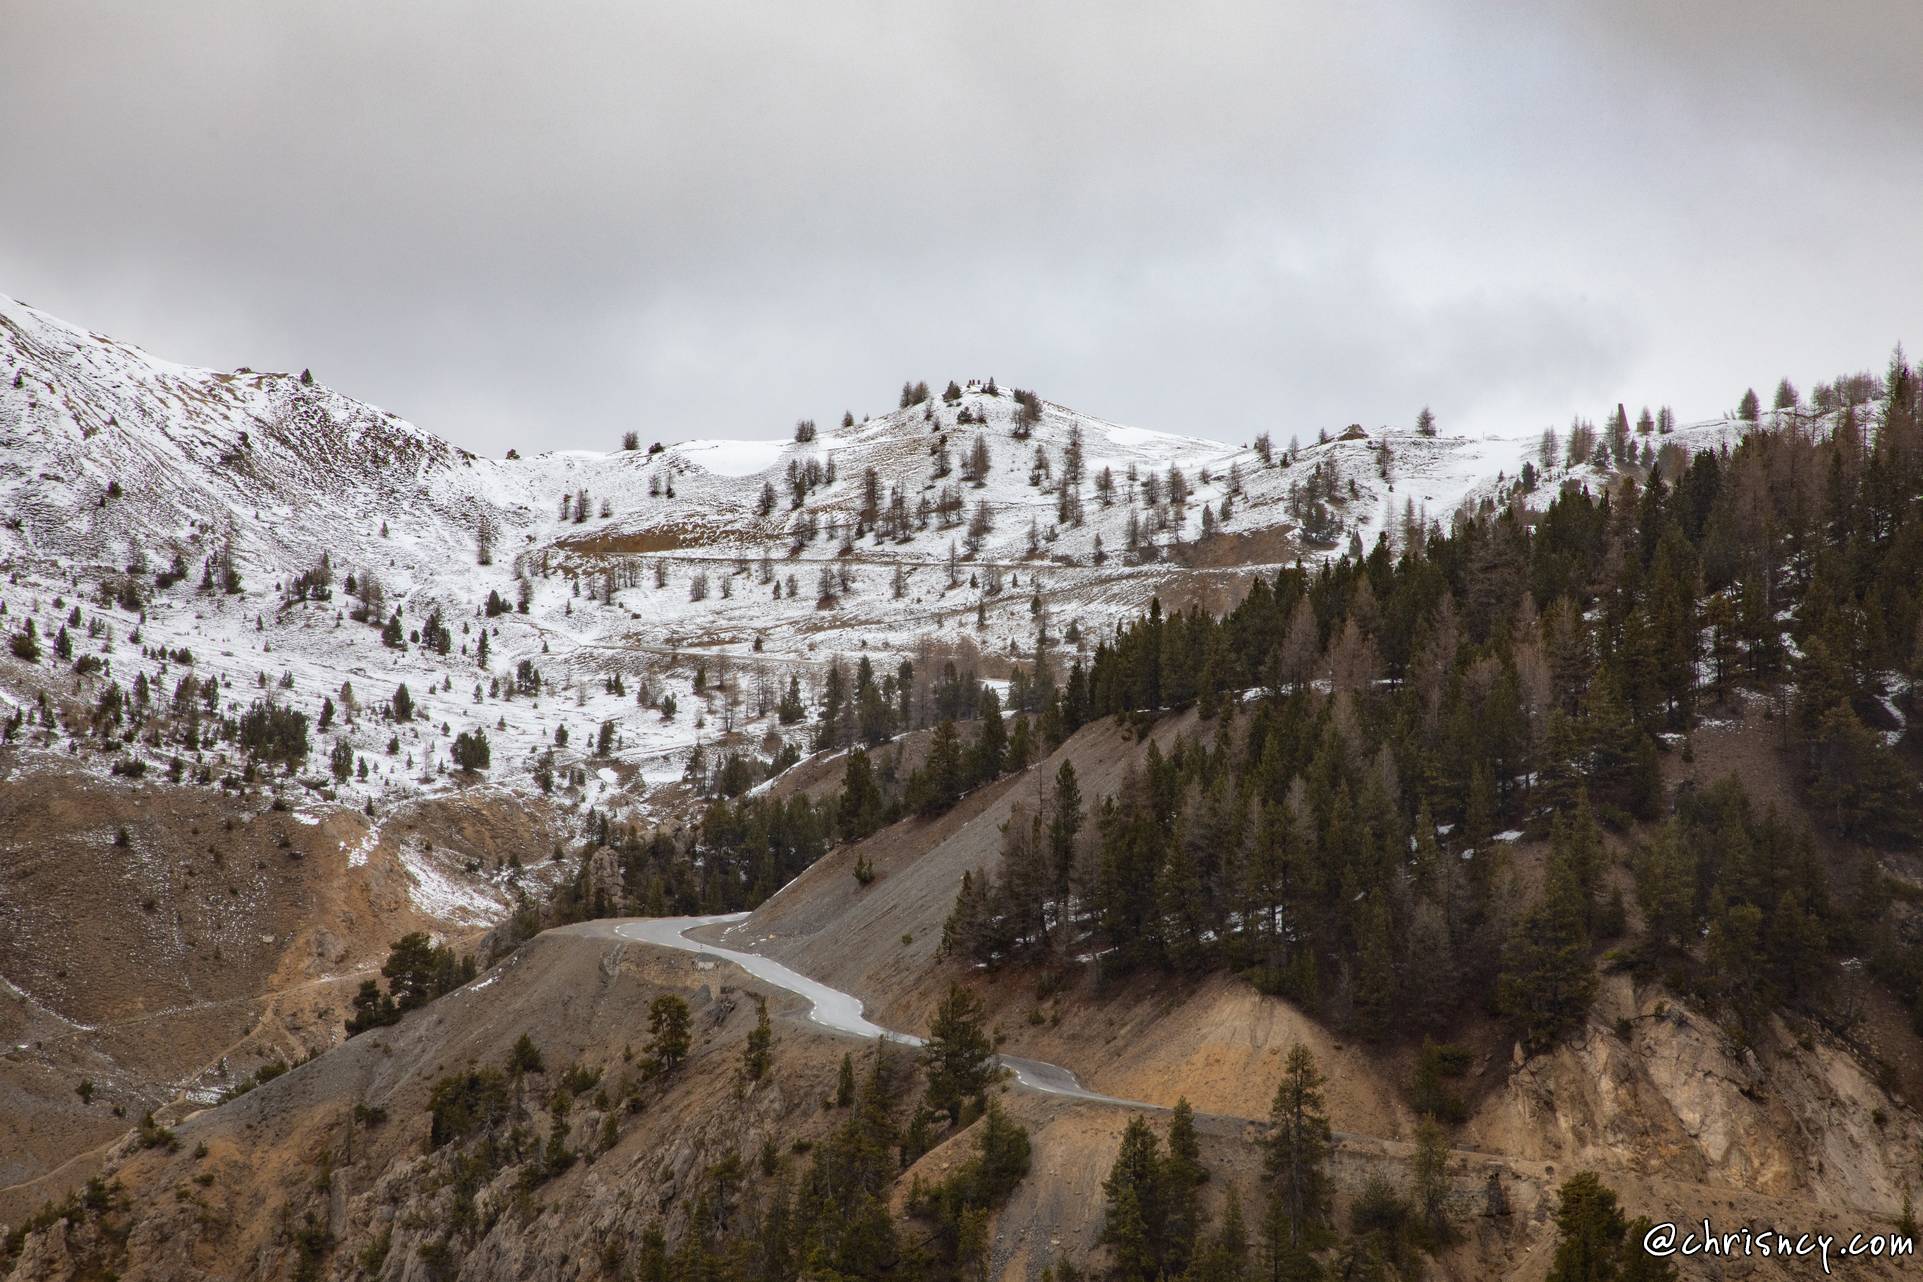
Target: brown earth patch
x: 224, y: 933
x: 667, y: 538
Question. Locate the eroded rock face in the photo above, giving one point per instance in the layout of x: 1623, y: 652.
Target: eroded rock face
x: 1678, y: 1097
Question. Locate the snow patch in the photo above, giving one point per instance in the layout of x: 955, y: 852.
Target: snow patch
x: 357, y: 857
x: 732, y: 458
x: 438, y: 895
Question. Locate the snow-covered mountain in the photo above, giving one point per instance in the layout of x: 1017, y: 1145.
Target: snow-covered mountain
x: 710, y: 571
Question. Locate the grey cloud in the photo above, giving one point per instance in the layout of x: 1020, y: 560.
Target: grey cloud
x: 540, y: 224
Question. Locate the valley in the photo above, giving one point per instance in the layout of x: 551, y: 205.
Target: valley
x: 855, y: 855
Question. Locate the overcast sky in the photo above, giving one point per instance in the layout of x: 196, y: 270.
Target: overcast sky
x: 541, y: 224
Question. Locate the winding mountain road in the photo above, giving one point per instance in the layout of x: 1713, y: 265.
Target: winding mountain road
x: 833, y: 1009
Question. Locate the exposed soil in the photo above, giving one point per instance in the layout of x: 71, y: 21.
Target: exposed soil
x: 223, y: 934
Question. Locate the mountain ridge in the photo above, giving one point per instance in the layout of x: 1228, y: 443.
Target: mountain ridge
x: 669, y: 569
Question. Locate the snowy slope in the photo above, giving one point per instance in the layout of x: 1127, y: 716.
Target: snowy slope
x: 113, y: 462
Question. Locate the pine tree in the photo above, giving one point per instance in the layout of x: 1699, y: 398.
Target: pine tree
x: 471, y: 752
x: 1666, y: 888
x: 1297, y: 1151
x: 1181, y: 902
x: 757, y: 1053
x: 1547, y: 983
x: 1589, y: 1231
x: 859, y: 811
x: 524, y: 1057
x: 1733, y: 950
x: 968, y: 931
x: 372, y: 1009
x: 341, y: 760
x: 990, y: 749
x: 835, y: 723
x: 1182, y: 1178
x: 980, y: 524
x: 1376, y: 1006
x: 1134, y: 1225
x: 668, y: 1035
x: 1226, y: 1257
x: 417, y: 971
x: 957, y: 1059
x: 1431, y: 967
x: 942, y: 775
x: 1430, y: 1171
x: 1065, y: 821
x: 791, y: 709
x: 1594, y: 1243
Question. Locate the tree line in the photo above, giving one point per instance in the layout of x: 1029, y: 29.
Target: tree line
x: 1379, y: 732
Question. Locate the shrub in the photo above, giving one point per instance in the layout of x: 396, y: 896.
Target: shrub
x: 525, y: 1057
x: 154, y: 1135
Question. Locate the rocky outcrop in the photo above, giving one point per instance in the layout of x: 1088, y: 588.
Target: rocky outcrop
x: 1654, y: 1085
